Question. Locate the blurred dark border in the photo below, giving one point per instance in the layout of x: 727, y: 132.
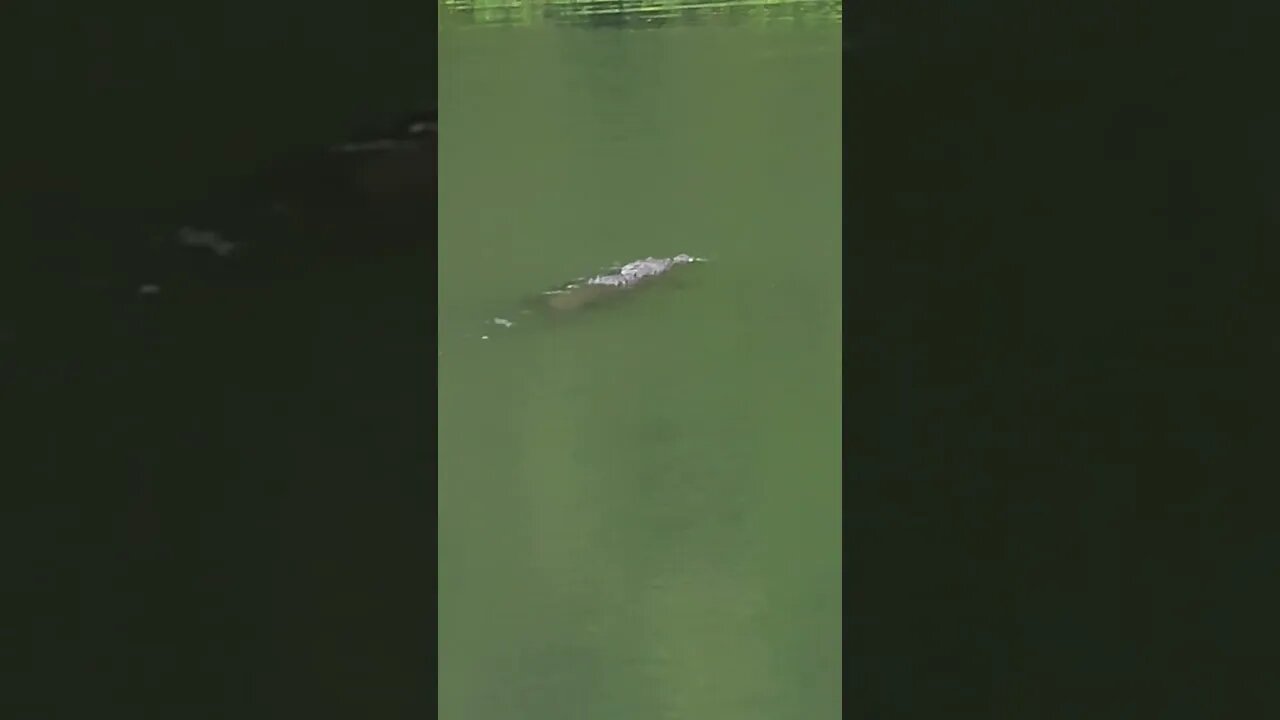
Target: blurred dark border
x: 149, y: 575
x: 1060, y: 222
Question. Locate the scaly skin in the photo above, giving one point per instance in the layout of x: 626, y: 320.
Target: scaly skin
x: 585, y: 293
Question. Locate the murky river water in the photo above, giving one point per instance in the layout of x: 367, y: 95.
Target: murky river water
x: 640, y: 504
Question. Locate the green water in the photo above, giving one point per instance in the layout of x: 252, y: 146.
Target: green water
x: 640, y: 505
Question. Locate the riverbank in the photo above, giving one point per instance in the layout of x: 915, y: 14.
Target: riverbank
x: 638, y: 13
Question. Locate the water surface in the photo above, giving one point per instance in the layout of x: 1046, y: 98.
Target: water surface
x: 640, y: 504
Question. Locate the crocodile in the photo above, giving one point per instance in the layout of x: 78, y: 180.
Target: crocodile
x: 589, y: 291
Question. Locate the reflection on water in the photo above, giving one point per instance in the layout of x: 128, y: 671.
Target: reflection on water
x: 640, y: 505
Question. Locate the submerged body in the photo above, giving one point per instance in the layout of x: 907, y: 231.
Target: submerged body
x: 589, y: 291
